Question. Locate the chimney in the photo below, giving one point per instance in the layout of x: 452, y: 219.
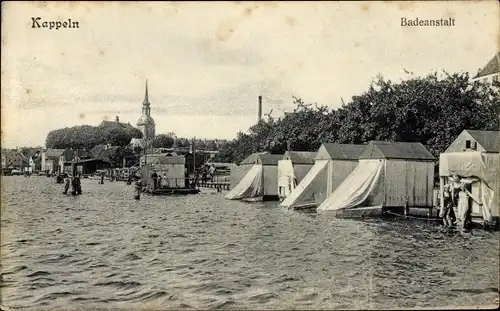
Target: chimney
x: 117, y: 119
x: 260, y: 108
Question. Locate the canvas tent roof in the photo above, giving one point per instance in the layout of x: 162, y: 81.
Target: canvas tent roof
x: 300, y: 157
x: 341, y: 151
x: 263, y: 158
x: 487, y: 139
x: 396, y: 150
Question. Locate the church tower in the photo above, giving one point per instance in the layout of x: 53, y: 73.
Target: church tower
x: 145, y: 123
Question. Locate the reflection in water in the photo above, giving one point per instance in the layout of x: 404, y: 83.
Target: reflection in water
x: 106, y: 249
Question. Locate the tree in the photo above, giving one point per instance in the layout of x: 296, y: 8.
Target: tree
x: 121, y: 152
x: 163, y: 141
x: 86, y: 136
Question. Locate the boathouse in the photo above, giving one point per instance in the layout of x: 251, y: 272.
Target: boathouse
x: 475, y: 154
x: 292, y: 169
x: 256, y: 178
x: 332, y: 164
x: 171, y: 169
x: 391, y: 176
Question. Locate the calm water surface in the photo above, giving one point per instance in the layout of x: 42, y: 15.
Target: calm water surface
x: 104, y: 249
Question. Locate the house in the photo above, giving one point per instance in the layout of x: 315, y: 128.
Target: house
x: 85, y: 162
x: 491, y: 72
x: 117, y: 156
x: 138, y: 144
x: 65, y: 160
x: 292, y: 169
x: 332, y: 164
x: 34, y: 160
x: 90, y: 166
x: 391, y: 176
x: 15, y: 159
x: 256, y: 178
x: 125, y: 126
x: 475, y: 140
x: 50, y: 160
x: 475, y: 154
x: 106, y: 153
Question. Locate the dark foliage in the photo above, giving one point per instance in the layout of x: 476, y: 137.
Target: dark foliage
x: 430, y: 110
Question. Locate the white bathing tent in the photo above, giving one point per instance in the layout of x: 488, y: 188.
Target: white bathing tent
x: 292, y: 169
x: 255, y: 177
x: 332, y: 164
x: 389, y: 174
x: 475, y: 154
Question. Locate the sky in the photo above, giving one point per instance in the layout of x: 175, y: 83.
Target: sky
x: 207, y: 63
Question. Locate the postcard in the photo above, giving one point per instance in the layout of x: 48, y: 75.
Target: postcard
x: 250, y: 155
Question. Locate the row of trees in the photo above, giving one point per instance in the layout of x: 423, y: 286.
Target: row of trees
x: 115, y: 134
x: 167, y: 141
x: 432, y: 110
x: 86, y: 136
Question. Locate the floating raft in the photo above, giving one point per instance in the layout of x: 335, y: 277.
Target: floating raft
x: 173, y: 191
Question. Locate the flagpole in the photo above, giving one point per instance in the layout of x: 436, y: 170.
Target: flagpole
x: 194, y: 155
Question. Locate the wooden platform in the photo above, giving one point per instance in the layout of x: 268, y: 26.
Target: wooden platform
x: 173, y: 191
x: 209, y: 184
x: 306, y: 206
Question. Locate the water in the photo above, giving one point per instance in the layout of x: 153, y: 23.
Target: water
x: 104, y: 249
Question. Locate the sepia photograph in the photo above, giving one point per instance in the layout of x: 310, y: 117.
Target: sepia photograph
x: 246, y: 155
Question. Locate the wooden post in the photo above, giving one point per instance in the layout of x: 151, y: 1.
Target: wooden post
x: 441, y: 194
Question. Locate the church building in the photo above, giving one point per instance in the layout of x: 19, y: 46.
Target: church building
x: 145, y: 123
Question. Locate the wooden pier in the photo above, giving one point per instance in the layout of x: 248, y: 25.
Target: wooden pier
x: 209, y: 184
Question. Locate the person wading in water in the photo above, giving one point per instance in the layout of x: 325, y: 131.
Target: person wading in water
x: 460, y: 199
x: 447, y: 212
x: 66, y: 184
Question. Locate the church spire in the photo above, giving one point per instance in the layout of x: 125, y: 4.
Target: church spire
x: 146, y: 100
